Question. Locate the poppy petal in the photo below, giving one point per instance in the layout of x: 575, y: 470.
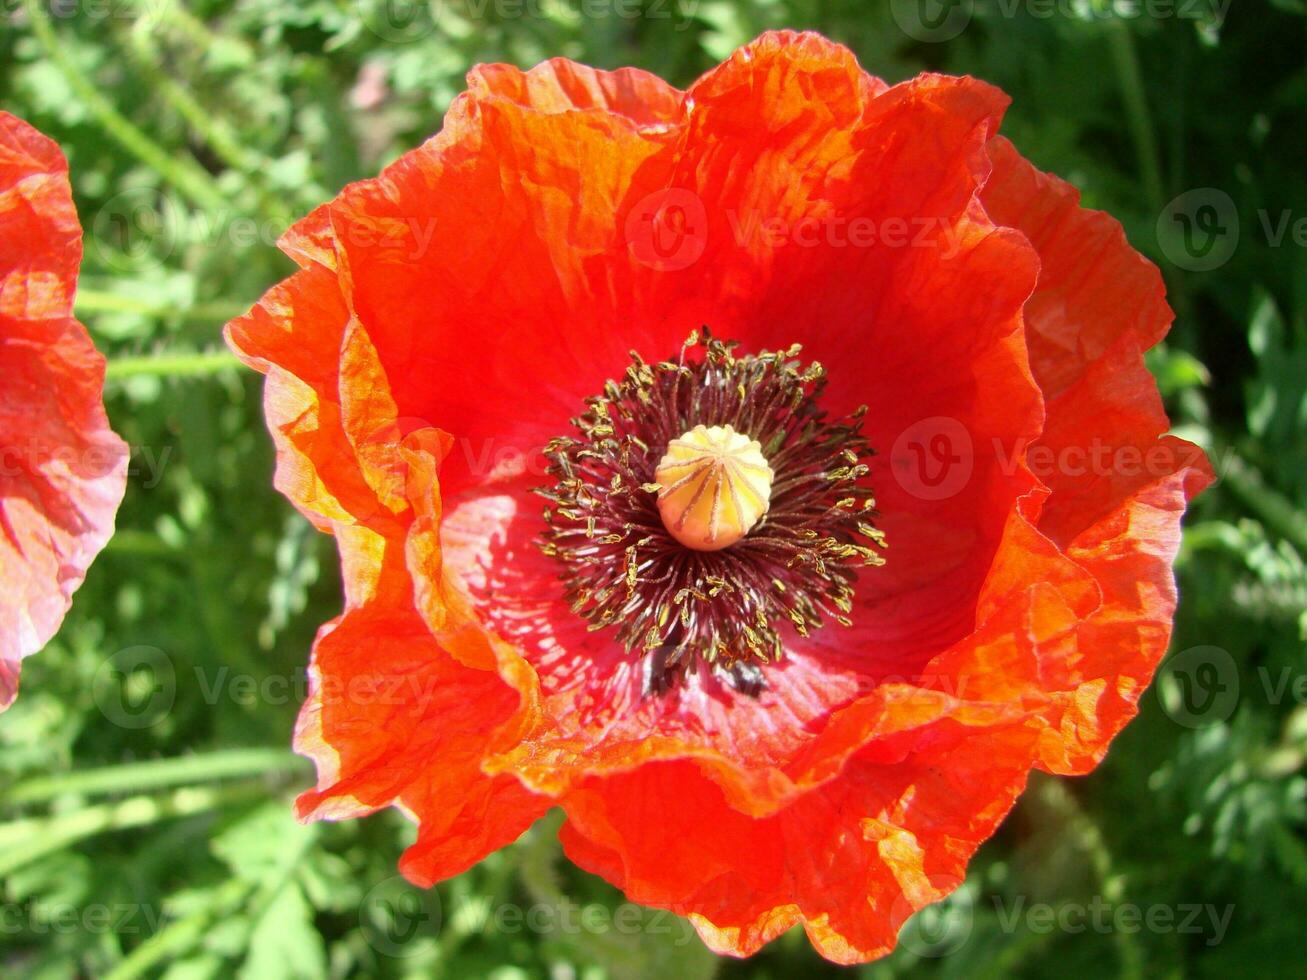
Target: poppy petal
x: 63, y: 472
x: 1118, y: 484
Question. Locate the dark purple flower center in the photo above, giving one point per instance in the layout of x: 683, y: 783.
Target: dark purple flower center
x: 678, y: 606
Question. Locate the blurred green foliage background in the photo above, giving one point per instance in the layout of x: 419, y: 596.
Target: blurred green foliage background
x: 196, y: 132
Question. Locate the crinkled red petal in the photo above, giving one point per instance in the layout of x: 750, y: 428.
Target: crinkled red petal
x: 63, y: 472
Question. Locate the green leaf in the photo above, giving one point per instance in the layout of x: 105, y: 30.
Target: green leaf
x: 284, y: 942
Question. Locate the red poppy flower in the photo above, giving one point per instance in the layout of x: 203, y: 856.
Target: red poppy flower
x: 580, y: 578
x: 62, y: 470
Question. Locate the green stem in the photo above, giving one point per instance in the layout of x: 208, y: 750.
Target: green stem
x: 185, y: 934
x: 1270, y: 506
x: 141, y: 544
x: 24, y: 841
x: 219, y: 625
x: 291, y: 862
x: 1015, y: 952
x: 1210, y: 535
x: 1121, y: 40
x: 93, y: 301
x: 1085, y: 833
x: 540, y: 853
x: 136, y: 777
x: 532, y: 860
x: 180, y: 937
x: 197, y: 364
x: 1122, y: 43
x: 211, y: 128
x: 191, y: 27
x: 184, y: 173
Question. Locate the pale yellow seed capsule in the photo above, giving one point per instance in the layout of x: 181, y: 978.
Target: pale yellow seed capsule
x: 714, y: 485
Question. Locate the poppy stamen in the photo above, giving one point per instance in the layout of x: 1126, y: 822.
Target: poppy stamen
x: 706, y: 505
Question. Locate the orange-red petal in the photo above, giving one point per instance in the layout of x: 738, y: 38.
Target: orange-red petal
x: 62, y: 470
x: 1118, y: 484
